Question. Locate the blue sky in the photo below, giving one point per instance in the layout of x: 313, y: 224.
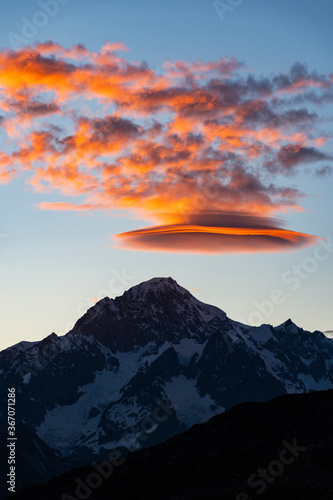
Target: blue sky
x: 54, y: 264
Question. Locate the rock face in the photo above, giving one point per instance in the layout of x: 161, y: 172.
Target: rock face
x: 104, y: 385
x: 278, y: 449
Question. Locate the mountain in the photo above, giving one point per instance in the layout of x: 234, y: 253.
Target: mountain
x: 278, y: 449
x: 35, y: 461
x: 145, y: 366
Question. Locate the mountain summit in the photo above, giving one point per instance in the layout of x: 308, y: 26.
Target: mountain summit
x: 158, y: 310
x: 154, y: 352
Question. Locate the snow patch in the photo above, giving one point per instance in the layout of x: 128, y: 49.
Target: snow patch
x: 190, y: 407
x: 311, y: 385
x: 63, y: 426
x: 26, y: 378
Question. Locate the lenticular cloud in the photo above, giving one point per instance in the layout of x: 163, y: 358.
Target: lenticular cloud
x: 216, y: 233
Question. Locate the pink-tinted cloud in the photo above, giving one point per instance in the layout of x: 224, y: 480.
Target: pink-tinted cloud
x: 197, y: 138
x: 255, y: 235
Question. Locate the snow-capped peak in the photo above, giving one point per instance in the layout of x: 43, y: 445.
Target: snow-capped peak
x: 289, y: 326
x: 157, y: 285
x: 155, y: 342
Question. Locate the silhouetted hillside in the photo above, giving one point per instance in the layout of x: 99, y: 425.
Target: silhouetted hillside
x: 288, y: 440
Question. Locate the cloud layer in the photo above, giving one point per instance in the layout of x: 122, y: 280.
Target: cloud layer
x: 251, y: 236
x: 174, y: 147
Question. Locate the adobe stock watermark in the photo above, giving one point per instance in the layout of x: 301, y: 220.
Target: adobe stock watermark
x: 39, y: 362
x: 262, y: 477
x: 94, y: 480
x: 291, y: 280
x: 201, y: 201
x: 147, y: 426
x: 104, y: 470
x: 223, y: 8
x: 117, y: 285
x: 32, y: 24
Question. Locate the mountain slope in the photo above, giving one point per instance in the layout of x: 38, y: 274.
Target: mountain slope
x: 278, y: 449
x: 35, y: 461
x: 98, y: 387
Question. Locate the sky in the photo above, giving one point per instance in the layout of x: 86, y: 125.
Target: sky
x: 190, y: 139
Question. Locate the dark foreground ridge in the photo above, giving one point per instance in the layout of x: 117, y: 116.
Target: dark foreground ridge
x: 278, y: 449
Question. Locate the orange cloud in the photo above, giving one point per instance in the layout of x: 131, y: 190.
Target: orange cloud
x: 256, y: 234
x: 7, y: 172
x: 67, y: 207
x: 196, y: 138
x: 211, y: 240
x: 196, y: 239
